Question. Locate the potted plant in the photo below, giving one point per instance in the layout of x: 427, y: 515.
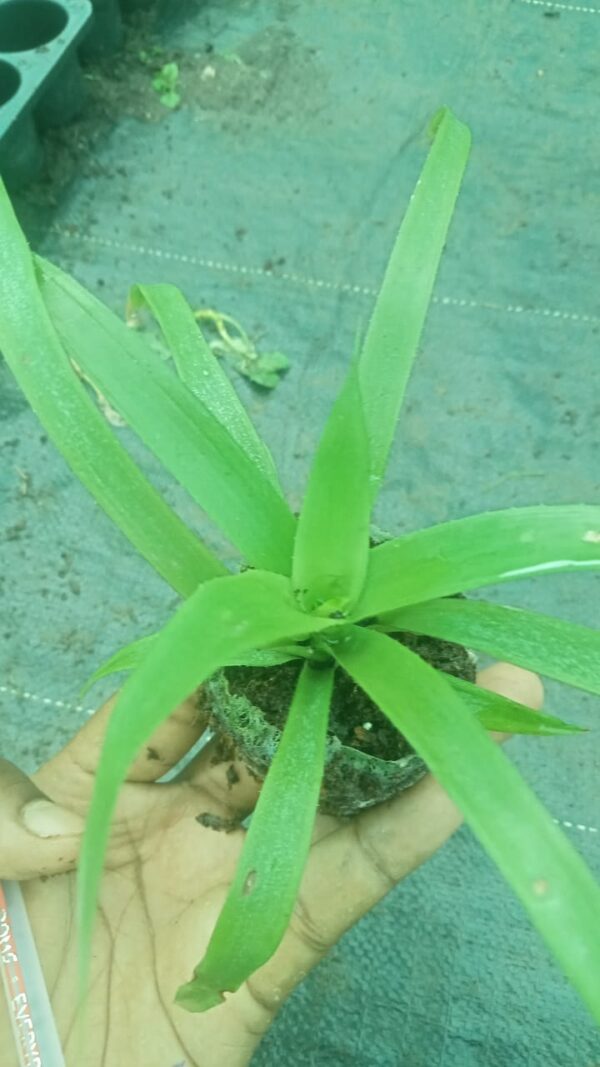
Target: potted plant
x: 318, y: 615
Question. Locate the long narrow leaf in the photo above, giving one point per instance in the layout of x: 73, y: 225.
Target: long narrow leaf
x: 395, y: 328
x: 485, y: 549
x: 535, y: 857
x: 131, y: 656
x: 496, y: 712
x: 127, y: 658
x: 200, y: 370
x: 263, y: 892
x: 268, y: 657
x: 34, y: 353
x: 562, y: 650
x: 191, y: 443
x: 221, y: 620
x: 332, y: 537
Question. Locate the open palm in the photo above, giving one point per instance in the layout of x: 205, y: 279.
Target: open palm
x: 166, y: 879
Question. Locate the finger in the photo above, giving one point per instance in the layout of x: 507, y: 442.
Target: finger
x: 38, y: 837
x: 351, y: 868
x: 41, y: 834
x: 75, y: 765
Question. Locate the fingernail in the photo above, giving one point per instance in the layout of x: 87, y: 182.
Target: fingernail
x: 45, y: 819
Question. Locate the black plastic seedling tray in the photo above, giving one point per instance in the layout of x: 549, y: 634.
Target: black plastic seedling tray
x: 40, y: 79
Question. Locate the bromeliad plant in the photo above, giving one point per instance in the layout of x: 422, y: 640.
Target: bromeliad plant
x: 313, y: 588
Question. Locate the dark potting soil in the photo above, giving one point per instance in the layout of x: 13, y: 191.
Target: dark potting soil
x: 354, y: 718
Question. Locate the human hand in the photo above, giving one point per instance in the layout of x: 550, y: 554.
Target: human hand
x: 166, y: 879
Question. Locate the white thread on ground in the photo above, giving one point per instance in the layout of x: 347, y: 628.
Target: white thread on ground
x: 313, y: 283
x: 25, y: 694
x: 577, y: 826
x: 562, y: 7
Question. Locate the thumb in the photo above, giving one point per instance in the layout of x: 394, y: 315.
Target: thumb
x: 38, y: 836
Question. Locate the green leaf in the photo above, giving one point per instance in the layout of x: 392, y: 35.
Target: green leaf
x: 496, y: 712
x: 271, y: 362
x: 166, y: 78
x: 543, y: 868
x: 199, y: 369
x: 170, y: 99
x: 264, y: 890
x: 265, y: 369
x: 268, y: 657
x: 131, y: 656
x: 493, y: 547
x: 395, y: 328
x: 165, y: 83
x: 332, y: 536
x: 126, y: 659
x: 34, y: 353
x: 221, y: 620
x: 561, y: 650
x: 180, y: 430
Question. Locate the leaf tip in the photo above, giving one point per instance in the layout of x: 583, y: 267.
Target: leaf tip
x: 436, y: 121
x: 445, y: 114
x: 198, y: 995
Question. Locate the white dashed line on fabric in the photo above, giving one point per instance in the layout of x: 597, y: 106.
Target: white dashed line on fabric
x: 72, y: 233
x: 576, y: 9
x: 26, y: 694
